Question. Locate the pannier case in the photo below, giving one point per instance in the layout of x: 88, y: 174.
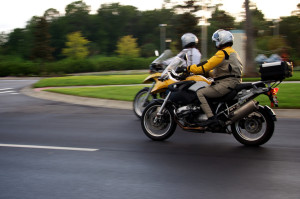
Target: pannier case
x: 276, y: 71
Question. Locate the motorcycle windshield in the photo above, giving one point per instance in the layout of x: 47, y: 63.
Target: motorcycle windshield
x: 164, y: 56
x: 176, y: 62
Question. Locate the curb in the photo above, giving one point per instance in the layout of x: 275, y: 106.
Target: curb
x: 76, y: 99
x: 104, y: 103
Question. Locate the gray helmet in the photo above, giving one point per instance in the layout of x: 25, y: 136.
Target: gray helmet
x: 188, y: 39
x: 222, y: 37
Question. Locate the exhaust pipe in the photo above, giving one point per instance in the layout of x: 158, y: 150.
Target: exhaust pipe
x: 243, y: 111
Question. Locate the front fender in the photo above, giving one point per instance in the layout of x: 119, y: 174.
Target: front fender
x: 151, y: 78
x: 270, y: 112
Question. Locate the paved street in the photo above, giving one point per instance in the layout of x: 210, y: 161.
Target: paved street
x: 56, y: 150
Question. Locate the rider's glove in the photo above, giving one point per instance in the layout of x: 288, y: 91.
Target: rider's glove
x: 181, y: 70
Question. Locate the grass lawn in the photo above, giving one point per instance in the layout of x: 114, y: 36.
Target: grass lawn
x: 125, y: 93
x: 91, y: 80
x: 113, y: 80
x: 288, y: 95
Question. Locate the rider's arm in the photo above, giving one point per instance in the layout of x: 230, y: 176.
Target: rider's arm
x: 210, y: 64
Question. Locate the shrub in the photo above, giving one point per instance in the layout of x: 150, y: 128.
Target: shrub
x: 17, y: 67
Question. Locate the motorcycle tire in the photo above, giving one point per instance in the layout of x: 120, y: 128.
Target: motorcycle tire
x: 138, y: 108
x: 255, y: 129
x: 158, y: 128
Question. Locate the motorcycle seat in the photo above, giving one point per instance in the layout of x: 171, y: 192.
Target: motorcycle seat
x: 229, y: 96
x: 242, y: 86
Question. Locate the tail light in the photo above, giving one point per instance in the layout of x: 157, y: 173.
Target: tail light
x: 274, y: 91
x: 272, y: 96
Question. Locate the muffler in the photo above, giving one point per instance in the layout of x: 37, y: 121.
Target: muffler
x: 243, y: 111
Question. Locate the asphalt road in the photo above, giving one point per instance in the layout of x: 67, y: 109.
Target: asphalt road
x: 104, y: 155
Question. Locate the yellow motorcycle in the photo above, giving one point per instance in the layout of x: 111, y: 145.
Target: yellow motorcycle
x: 144, y: 97
x: 160, y: 83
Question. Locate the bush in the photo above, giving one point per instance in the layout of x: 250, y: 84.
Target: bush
x: 18, y: 67
x: 11, y: 66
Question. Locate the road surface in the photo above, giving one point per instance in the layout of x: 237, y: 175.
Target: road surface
x: 56, y: 150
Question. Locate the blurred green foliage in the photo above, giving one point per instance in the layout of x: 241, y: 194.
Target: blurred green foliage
x: 38, y: 48
x: 15, y: 66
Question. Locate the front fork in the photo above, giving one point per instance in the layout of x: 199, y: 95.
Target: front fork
x: 148, y: 93
x: 159, y: 113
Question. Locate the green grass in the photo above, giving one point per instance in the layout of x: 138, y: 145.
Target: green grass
x: 113, y: 80
x: 288, y: 95
x: 91, y: 80
x: 125, y: 93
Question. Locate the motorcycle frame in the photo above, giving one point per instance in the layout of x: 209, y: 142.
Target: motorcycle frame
x: 253, y: 93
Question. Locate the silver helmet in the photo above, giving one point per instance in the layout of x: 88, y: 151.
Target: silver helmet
x: 188, y: 39
x: 222, y: 37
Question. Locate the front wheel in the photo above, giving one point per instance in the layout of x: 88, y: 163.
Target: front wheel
x: 141, y: 101
x: 255, y: 129
x: 158, y: 127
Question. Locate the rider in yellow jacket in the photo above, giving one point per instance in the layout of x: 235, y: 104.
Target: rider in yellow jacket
x: 226, y: 68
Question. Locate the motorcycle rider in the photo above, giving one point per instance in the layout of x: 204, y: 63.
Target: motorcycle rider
x: 189, y: 42
x: 227, y: 71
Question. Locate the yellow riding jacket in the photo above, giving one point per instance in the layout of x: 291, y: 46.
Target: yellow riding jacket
x: 225, y: 63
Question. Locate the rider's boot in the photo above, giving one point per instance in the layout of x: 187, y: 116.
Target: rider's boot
x: 210, y: 121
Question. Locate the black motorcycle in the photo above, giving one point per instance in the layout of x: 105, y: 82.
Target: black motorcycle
x: 237, y: 112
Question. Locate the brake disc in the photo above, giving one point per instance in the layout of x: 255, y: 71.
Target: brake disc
x: 253, y: 125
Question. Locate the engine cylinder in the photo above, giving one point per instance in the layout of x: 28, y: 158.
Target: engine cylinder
x: 243, y: 111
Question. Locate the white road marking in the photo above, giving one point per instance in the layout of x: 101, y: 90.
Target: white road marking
x: 48, y: 147
x: 3, y: 89
x: 7, y: 91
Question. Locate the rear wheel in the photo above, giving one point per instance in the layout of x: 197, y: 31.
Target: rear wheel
x: 255, y: 129
x: 140, y: 101
x: 158, y: 127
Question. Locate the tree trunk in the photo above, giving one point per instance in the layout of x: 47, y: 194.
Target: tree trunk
x: 249, y: 69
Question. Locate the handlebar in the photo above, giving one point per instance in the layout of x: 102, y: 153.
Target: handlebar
x: 173, y: 75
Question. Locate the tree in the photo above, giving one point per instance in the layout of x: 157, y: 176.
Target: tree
x: 289, y: 27
x: 190, y: 6
x: 51, y: 14
x: 127, y: 47
x: 249, y: 69
x: 76, y: 46
x: 219, y: 20
x: 77, y: 7
x: 77, y: 18
x: 184, y: 23
x: 261, y: 27
x: 42, y: 49
x: 115, y: 21
x: 147, y: 50
x: 296, y: 12
x: 3, y: 38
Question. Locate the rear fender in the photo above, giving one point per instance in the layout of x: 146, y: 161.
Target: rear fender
x: 270, y: 112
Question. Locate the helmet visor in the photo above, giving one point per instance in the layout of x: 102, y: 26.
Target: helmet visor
x: 216, y: 36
